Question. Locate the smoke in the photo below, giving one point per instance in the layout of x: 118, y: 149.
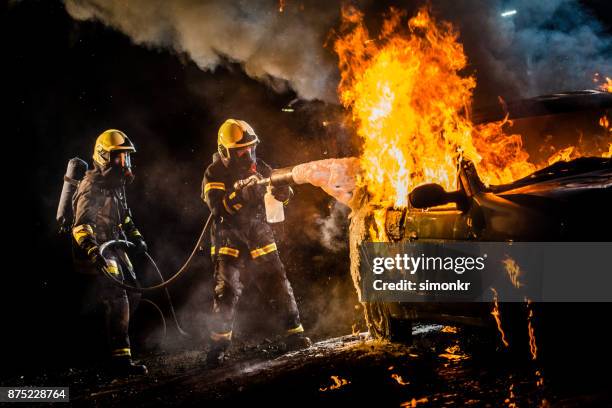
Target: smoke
x: 546, y: 46
x: 278, y: 48
x: 333, y: 228
x: 538, y: 47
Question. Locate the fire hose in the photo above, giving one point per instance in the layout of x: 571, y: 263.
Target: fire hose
x: 279, y: 177
x: 164, y: 283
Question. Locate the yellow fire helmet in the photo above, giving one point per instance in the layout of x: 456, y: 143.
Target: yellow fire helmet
x: 234, y: 134
x: 111, y: 140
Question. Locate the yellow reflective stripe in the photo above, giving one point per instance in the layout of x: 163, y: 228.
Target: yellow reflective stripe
x: 121, y: 352
x: 80, y: 232
x: 135, y: 233
x: 295, y: 330
x: 229, y: 210
x: 127, y: 220
x: 214, y: 186
x: 286, y: 202
x: 237, y: 206
x: 263, y: 250
x: 231, y: 197
x: 221, y: 336
x: 229, y: 251
x: 225, y: 251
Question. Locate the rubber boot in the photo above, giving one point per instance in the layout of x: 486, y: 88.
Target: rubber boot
x: 124, y: 367
x: 297, y: 341
x: 217, y: 353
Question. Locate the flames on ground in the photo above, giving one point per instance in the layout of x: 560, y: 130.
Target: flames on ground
x: 338, y: 382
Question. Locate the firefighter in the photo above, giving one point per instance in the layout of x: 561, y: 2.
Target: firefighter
x: 101, y: 214
x: 242, y: 240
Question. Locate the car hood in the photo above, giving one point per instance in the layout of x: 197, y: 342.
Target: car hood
x: 562, y: 179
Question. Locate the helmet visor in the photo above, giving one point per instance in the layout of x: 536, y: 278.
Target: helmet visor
x: 245, y: 151
x: 122, y: 160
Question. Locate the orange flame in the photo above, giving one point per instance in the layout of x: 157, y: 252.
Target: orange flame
x: 410, y: 99
x: 453, y: 353
x: 449, y: 329
x: 513, y: 270
x: 604, y: 122
x: 539, y: 378
x: 338, y: 382
x: 562, y: 155
x: 497, y: 316
x: 606, y: 86
x: 410, y: 104
x: 533, y: 348
x: 511, y: 400
x: 378, y: 231
x: 414, y: 402
x: 398, y: 378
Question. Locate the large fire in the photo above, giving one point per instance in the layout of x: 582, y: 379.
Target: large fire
x: 410, y: 101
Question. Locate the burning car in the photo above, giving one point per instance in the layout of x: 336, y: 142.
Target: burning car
x: 555, y: 203
x: 430, y: 166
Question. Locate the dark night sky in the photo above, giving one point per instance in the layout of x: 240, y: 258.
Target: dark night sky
x: 67, y: 81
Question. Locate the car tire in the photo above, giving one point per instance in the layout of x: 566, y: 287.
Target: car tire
x: 383, y: 326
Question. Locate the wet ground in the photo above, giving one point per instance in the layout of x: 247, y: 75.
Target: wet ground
x: 445, y: 366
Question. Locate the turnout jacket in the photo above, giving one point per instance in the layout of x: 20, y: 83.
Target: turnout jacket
x: 100, y: 212
x: 224, y: 202
x: 237, y: 225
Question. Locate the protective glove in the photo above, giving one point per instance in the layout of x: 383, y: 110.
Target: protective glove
x: 96, y: 258
x: 282, y: 194
x: 251, y: 192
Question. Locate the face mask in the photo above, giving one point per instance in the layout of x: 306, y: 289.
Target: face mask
x: 121, y: 166
x: 245, y: 158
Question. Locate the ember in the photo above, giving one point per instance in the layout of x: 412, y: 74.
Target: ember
x: 398, y: 378
x: 453, y: 353
x: 533, y: 348
x: 338, y: 382
x: 513, y: 270
x: 495, y: 313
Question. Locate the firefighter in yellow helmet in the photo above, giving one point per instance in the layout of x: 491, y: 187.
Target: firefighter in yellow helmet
x: 101, y: 214
x: 241, y: 238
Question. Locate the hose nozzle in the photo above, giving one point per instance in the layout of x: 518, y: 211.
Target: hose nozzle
x: 279, y: 178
